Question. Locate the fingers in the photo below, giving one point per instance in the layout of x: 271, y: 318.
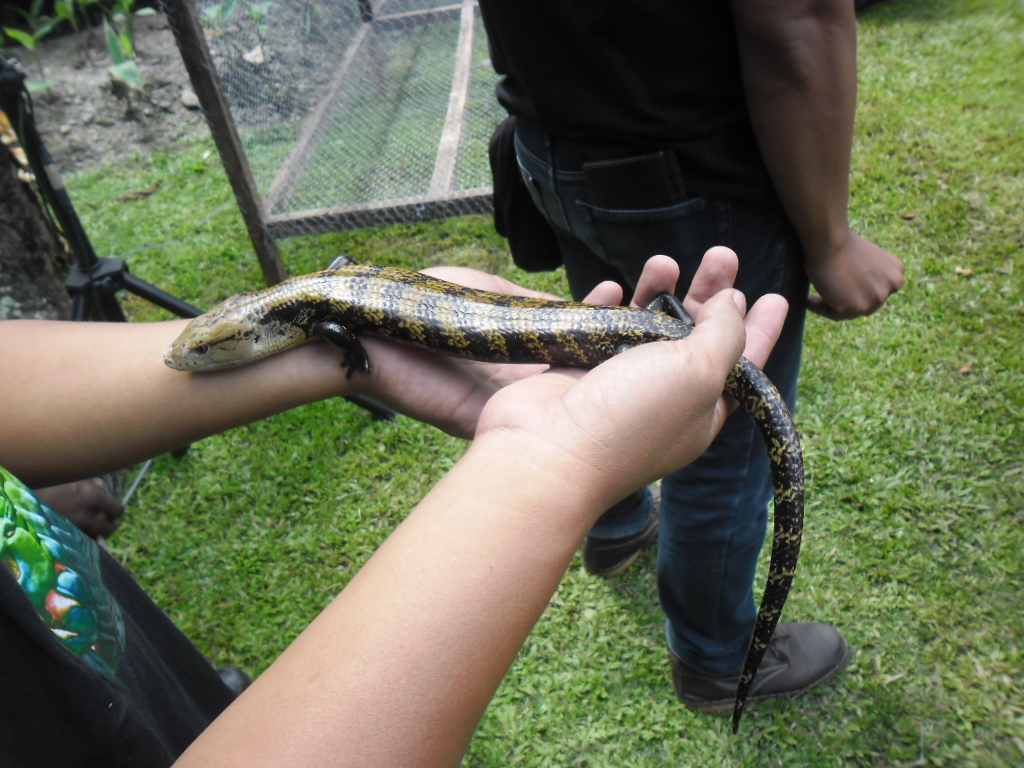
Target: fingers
x: 721, y: 328
x: 717, y: 271
x: 761, y: 329
x: 86, y: 503
x: 660, y: 275
x: 847, y: 311
x: 764, y: 325
x: 104, y: 502
x: 820, y: 307
x: 714, y: 280
x: 608, y: 292
x: 856, y: 281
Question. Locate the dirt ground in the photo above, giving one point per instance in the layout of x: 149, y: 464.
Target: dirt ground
x: 83, y: 123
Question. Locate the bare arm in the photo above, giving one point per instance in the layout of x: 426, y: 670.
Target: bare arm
x: 81, y: 399
x: 799, y: 64
x: 399, y: 669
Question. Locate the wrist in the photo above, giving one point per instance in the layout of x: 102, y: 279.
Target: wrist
x: 528, y: 472
x: 824, y: 244
x: 316, y: 371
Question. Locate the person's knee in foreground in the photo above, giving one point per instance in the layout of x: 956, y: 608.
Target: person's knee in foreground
x: 400, y: 667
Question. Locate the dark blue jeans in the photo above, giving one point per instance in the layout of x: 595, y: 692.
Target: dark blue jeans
x: 714, y: 512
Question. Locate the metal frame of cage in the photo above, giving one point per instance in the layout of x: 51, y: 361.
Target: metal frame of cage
x: 266, y: 218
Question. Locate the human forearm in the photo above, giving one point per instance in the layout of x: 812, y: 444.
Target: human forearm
x: 800, y: 73
x: 100, y: 397
x: 78, y: 399
x: 400, y: 668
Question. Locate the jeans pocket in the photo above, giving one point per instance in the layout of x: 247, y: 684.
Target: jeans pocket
x: 627, y: 238
x: 545, y: 198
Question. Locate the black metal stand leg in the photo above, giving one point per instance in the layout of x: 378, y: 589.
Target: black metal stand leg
x: 92, y: 303
x: 160, y: 297
x: 93, y: 288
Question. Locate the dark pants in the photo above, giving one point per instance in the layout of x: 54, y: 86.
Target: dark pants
x: 714, y: 512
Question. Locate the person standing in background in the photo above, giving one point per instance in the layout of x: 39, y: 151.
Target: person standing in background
x: 646, y: 128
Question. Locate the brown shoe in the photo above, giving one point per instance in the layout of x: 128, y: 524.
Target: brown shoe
x: 608, y: 558
x: 799, y: 657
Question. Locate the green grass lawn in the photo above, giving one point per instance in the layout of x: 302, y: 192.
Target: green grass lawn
x: 912, y: 424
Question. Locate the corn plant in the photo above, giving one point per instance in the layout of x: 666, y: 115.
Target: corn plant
x: 66, y: 11
x: 122, y: 17
x: 127, y: 77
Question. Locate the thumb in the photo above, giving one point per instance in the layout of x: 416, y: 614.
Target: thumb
x: 820, y: 307
x: 720, y: 333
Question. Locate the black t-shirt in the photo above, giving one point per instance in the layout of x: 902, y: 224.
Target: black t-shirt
x: 92, y: 672
x: 646, y: 74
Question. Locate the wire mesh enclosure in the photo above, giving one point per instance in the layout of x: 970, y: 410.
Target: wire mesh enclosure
x: 348, y: 113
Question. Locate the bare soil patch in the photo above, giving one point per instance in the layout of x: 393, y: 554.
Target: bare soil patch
x: 82, y: 119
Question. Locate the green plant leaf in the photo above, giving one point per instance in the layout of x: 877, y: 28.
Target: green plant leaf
x: 66, y: 10
x: 259, y: 11
x: 45, y: 27
x: 114, y: 44
x: 213, y: 15
x: 128, y: 72
x: 35, y: 86
x: 127, y: 43
x: 22, y: 37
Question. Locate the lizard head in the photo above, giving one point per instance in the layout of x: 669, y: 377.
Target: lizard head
x: 228, y: 336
